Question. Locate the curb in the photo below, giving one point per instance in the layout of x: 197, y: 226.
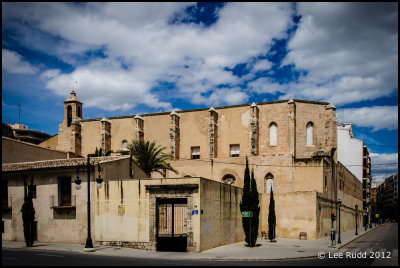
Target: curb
x: 190, y: 258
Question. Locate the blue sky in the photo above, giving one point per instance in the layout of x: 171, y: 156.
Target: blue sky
x: 133, y: 58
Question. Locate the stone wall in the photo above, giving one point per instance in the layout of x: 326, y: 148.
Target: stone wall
x: 239, y: 124
x: 61, y: 224
x: 220, y: 216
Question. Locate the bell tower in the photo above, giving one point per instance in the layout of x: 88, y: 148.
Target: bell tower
x: 69, y: 131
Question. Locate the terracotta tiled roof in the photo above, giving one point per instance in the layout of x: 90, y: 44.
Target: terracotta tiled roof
x: 57, y: 163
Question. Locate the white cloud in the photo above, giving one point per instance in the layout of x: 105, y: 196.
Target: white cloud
x: 51, y: 73
x: 138, y: 35
x: 383, y: 165
x: 376, y: 117
x: 104, y: 84
x: 262, y: 65
x: 265, y: 85
x: 12, y: 62
x: 229, y: 96
x: 350, y: 51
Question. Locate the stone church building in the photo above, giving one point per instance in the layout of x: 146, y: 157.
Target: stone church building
x: 291, y: 146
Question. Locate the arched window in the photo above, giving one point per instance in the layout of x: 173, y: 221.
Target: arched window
x: 69, y: 115
x: 273, y: 138
x: 269, y: 183
x: 310, y: 130
x: 228, y: 179
x: 78, y: 112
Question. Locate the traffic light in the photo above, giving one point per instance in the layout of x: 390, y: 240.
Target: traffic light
x: 333, y: 216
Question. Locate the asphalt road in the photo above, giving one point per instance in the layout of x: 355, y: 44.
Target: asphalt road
x: 378, y: 247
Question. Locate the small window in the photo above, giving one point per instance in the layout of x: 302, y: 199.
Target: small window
x: 64, y: 191
x: 273, y: 138
x: 310, y: 128
x: 235, y: 150
x: 69, y: 115
x: 228, y: 179
x: 195, y: 152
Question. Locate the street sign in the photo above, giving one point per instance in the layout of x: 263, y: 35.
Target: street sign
x: 247, y: 214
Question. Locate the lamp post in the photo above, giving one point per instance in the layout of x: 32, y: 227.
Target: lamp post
x: 89, y: 243
x: 365, y: 219
x: 356, y: 218
x: 339, y: 203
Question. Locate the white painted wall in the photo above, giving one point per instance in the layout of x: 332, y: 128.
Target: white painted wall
x: 350, y: 150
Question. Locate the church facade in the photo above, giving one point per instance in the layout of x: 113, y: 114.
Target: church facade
x: 291, y: 146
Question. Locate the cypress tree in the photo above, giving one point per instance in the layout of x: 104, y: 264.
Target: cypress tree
x: 245, y: 204
x: 28, y: 215
x: 255, y: 208
x: 271, y: 218
x: 250, y: 202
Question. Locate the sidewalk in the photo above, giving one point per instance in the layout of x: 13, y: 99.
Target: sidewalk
x: 284, y: 248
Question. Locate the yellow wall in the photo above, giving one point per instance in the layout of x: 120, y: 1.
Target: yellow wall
x: 221, y: 221
x: 121, y: 129
x: 91, y: 137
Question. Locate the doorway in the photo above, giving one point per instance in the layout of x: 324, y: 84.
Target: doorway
x: 171, y: 224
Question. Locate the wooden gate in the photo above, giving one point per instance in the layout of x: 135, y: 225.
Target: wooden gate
x: 171, y: 229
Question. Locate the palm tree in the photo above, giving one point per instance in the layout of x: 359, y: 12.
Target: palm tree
x: 150, y: 157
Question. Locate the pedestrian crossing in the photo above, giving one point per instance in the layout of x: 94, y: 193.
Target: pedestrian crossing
x: 374, y: 253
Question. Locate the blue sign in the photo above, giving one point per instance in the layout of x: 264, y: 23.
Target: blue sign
x: 195, y: 211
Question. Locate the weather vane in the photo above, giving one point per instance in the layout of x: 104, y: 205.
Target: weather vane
x: 72, y: 84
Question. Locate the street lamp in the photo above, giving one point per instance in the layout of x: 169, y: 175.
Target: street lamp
x: 339, y: 203
x: 356, y: 218
x: 365, y: 219
x: 99, y: 180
